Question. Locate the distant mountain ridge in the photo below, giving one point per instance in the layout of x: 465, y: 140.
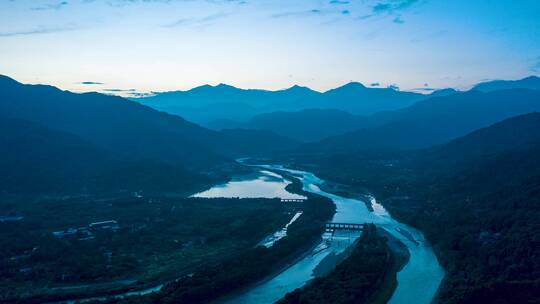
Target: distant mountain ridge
x: 206, y: 103
x: 307, y: 125
x: 106, y: 137
x: 299, y: 112
x: 124, y: 127
x: 38, y: 160
x: 316, y: 124
x: 531, y: 82
x: 434, y: 121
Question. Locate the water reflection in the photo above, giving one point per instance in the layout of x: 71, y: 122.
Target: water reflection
x: 264, y: 184
x: 418, y: 281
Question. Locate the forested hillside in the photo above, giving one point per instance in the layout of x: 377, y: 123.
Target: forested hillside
x: 476, y: 199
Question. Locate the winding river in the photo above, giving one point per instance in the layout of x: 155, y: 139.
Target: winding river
x: 418, y: 281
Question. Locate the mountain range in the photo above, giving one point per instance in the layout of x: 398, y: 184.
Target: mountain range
x: 103, y: 137
x: 206, y: 104
x: 434, y: 121
x: 300, y: 113
x: 63, y: 133
x: 475, y: 198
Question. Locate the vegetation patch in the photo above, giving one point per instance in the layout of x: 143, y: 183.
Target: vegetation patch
x: 358, y: 279
x: 75, y: 247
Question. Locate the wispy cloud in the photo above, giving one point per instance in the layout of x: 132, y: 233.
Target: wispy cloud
x: 130, y: 93
x: 120, y: 3
x: 315, y: 12
x: 119, y: 90
x: 196, y: 21
x: 387, y: 8
x: 39, y: 30
x: 91, y: 83
x: 311, y: 12
x: 53, y: 6
x: 392, y: 6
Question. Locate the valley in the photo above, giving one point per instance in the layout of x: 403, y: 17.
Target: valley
x: 269, y: 152
x: 217, y: 224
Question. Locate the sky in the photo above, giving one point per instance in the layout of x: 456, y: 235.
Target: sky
x: 133, y: 47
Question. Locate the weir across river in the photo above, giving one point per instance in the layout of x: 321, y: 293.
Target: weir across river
x: 293, y: 200
x: 344, y: 226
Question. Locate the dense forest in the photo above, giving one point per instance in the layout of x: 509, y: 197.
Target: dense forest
x: 61, y: 143
x: 56, y: 251
x: 214, y: 280
x: 355, y: 280
x: 476, y: 199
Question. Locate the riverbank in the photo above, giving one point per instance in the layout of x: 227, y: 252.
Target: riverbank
x: 294, y: 187
x: 422, y: 266
x: 158, y: 240
x: 360, y: 278
x: 214, y: 281
x: 399, y: 258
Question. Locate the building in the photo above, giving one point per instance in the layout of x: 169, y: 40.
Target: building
x: 104, y: 225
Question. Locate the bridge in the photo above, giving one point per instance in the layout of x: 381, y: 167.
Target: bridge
x: 344, y: 226
x: 293, y: 200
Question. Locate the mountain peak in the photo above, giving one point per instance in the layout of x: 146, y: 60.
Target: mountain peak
x: 352, y: 86
x: 298, y: 88
x: 225, y: 86
x: 6, y: 79
x: 213, y: 88
x: 532, y: 82
x: 444, y: 92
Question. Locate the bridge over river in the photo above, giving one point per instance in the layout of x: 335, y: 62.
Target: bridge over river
x: 332, y: 226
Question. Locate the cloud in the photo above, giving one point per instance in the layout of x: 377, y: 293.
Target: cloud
x: 91, y: 83
x: 381, y: 8
x: 298, y: 13
x: 55, y: 6
x: 424, y: 89
x: 119, y: 90
x: 316, y: 12
x: 390, y: 8
x: 338, y: 2
x: 141, y: 94
x: 120, y: 3
x: 196, y: 21
x: 41, y: 30
x: 129, y: 93
x: 398, y: 20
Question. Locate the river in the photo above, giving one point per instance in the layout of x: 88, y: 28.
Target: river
x: 418, y: 281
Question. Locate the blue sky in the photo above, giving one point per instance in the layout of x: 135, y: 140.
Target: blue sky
x: 131, y: 46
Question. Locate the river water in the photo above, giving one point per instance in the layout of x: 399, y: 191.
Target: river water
x: 418, y: 281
